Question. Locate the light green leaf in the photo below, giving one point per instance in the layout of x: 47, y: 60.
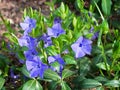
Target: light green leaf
x: 113, y: 83
x: 106, y: 6
x: 49, y: 74
x: 32, y: 85
x: 69, y: 59
x: 2, y: 81
x: 103, y: 66
x: 67, y: 73
x: 90, y: 83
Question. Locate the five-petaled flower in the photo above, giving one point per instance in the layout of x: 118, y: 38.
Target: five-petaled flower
x: 36, y: 67
x: 82, y: 47
x: 59, y: 59
x: 28, y: 25
x: 56, y: 29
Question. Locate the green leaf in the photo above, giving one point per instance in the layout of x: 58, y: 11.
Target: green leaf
x: 106, y: 7
x: 69, y: 59
x: 101, y: 79
x: 2, y: 81
x: 32, y: 85
x: 103, y: 66
x: 100, y: 88
x: 90, y: 83
x: 25, y: 72
x: 65, y: 86
x: 11, y: 37
x: 105, y: 26
x: 84, y: 66
x: 67, y: 73
x: 113, y: 83
x: 3, y: 61
x: 49, y: 74
x: 52, y: 85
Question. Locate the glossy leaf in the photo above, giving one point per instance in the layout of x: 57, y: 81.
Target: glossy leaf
x: 32, y: 85
x: 103, y: 66
x: 69, y: 59
x: 113, y: 83
x: 67, y: 73
x: 49, y: 74
x: 65, y: 86
x: 90, y: 83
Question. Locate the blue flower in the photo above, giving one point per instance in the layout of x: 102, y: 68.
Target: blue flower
x: 46, y: 39
x: 28, y: 25
x: 30, y: 53
x: 27, y: 41
x: 36, y: 67
x: 56, y: 29
x: 58, y: 58
x: 95, y: 35
x: 82, y: 47
x: 57, y: 20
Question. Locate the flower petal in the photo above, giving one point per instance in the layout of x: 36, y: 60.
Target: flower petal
x: 75, y: 46
x: 51, y: 59
x: 79, y: 53
x: 86, y: 41
x: 87, y: 49
x: 34, y: 72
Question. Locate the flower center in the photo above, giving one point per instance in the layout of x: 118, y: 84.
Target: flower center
x: 80, y: 45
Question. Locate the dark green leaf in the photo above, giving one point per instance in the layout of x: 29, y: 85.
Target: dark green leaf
x: 53, y: 85
x: 113, y: 83
x: 90, y: 83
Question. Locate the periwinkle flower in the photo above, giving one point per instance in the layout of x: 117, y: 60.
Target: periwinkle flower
x: 46, y: 39
x: 82, y: 47
x: 27, y: 41
x: 95, y: 35
x: 29, y: 54
x: 58, y: 58
x: 28, y: 25
x: 57, y: 20
x: 36, y: 67
x: 56, y: 29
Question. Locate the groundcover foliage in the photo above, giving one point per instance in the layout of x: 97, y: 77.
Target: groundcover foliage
x: 62, y: 51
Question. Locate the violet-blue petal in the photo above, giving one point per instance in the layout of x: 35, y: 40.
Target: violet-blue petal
x: 51, y: 59
x: 34, y: 72
x: 79, y: 40
x: 79, y: 53
x: 87, y: 49
x: 57, y: 20
x: 56, y: 30
x: 86, y: 41
x: 28, y: 24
